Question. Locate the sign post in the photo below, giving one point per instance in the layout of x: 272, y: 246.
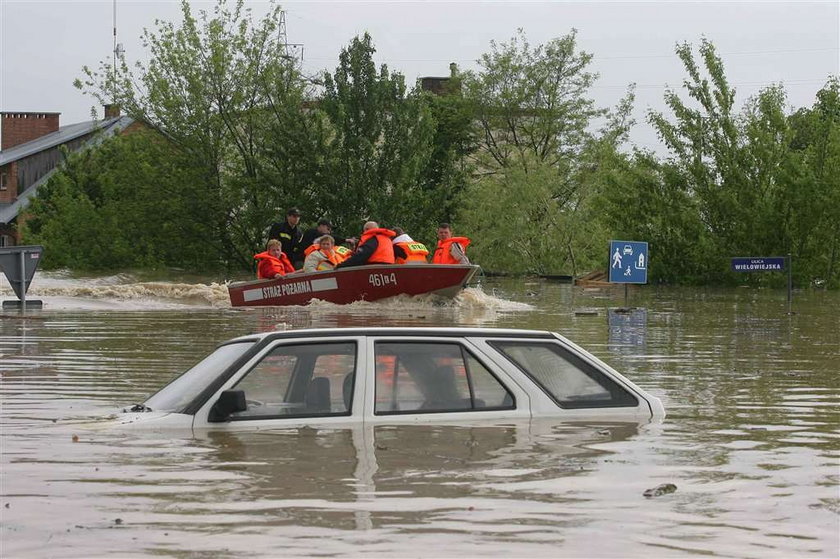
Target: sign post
x: 19, y: 264
x: 628, y: 263
x: 767, y: 264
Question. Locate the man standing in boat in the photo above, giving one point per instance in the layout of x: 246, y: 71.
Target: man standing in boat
x: 375, y: 247
x: 289, y: 235
x: 450, y: 250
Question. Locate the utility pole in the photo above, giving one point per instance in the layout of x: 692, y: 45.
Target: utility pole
x: 289, y: 49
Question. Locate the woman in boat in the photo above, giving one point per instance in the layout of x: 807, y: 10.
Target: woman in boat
x: 321, y: 255
x: 273, y: 263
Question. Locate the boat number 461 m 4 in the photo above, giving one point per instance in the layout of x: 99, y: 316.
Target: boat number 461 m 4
x: 378, y: 280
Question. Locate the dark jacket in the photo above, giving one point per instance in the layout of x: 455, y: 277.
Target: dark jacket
x: 368, y: 246
x: 290, y: 239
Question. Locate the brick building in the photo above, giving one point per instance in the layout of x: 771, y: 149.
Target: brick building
x: 30, y: 152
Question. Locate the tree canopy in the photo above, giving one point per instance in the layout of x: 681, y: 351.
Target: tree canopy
x: 515, y: 153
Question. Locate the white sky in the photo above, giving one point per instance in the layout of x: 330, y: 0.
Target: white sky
x: 44, y: 44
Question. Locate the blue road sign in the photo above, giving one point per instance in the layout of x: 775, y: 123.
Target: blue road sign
x: 628, y: 262
x: 759, y: 264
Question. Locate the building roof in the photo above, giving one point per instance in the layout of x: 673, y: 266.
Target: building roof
x: 61, y: 136
x: 108, y: 128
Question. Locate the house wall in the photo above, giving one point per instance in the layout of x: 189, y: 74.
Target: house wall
x: 19, y: 128
x: 8, y: 183
x: 32, y: 168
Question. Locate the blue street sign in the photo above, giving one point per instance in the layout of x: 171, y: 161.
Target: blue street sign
x: 628, y: 262
x: 759, y: 264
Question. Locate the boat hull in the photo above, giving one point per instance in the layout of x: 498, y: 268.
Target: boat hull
x: 347, y: 285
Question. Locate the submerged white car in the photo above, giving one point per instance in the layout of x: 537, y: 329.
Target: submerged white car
x: 335, y: 377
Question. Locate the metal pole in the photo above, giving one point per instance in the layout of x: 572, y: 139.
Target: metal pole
x: 22, y: 282
x: 790, y: 284
x: 626, y: 289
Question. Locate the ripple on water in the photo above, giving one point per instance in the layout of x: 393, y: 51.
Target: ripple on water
x: 751, y: 440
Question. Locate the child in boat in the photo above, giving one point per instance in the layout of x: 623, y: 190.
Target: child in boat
x: 273, y: 263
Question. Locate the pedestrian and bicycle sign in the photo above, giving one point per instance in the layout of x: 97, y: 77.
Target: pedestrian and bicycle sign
x: 628, y: 262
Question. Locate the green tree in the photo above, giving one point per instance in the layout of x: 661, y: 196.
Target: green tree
x: 733, y: 165
x: 449, y: 168
x: 380, y: 144
x: 124, y: 204
x: 813, y: 176
x: 210, y: 83
x: 532, y: 103
x: 539, y: 162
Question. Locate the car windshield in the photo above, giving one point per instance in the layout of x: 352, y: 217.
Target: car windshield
x: 177, y: 394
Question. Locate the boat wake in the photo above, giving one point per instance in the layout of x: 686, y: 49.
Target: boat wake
x: 123, y: 291
x: 60, y: 291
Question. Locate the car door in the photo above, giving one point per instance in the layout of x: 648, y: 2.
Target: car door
x: 290, y: 383
x: 428, y: 379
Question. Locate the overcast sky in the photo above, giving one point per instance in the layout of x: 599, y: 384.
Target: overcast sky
x: 44, y: 44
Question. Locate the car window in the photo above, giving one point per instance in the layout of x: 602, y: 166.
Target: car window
x: 569, y: 380
x: 175, y: 396
x: 417, y: 377
x: 300, y: 381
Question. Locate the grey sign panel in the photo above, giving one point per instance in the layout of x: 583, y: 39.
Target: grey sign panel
x: 19, y: 264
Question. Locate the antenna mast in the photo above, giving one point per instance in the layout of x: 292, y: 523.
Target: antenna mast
x: 114, y: 91
x: 118, y: 50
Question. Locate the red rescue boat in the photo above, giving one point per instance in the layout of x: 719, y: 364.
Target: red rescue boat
x: 346, y: 285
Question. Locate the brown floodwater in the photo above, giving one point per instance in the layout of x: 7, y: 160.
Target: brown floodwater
x: 751, y: 440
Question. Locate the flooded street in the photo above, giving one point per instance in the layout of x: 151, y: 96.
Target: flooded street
x: 751, y: 440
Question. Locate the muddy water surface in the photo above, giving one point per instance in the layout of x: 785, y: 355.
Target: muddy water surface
x: 751, y: 440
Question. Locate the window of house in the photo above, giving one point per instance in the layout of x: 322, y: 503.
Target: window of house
x: 418, y: 377
x: 305, y: 380
x: 4, y: 178
x: 569, y: 380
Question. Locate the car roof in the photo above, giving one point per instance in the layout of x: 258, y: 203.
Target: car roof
x: 398, y: 331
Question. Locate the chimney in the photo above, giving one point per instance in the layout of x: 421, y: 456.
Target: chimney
x: 19, y: 128
x: 112, y: 110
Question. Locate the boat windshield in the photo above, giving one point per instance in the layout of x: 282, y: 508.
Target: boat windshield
x: 175, y: 396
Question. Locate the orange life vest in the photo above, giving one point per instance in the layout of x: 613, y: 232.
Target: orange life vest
x: 414, y: 252
x: 384, y: 253
x: 310, y: 249
x: 333, y: 257
x: 342, y: 253
x: 269, y: 266
x: 443, y: 252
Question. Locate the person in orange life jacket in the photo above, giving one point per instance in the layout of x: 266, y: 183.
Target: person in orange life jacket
x: 273, y: 263
x: 321, y: 255
x: 375, y: 247
x: 450, y: 250
x: 407, y: 250
x: 311, y: 236
x: 289, y: 235
x: 342, y: 253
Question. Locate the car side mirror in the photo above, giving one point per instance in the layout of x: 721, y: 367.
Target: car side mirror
x: 230, y: 401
